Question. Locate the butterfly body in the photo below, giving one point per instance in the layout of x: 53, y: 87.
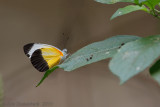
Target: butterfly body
x: 43, y: 56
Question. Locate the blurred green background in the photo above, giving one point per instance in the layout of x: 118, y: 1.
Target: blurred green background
x: 69, y: 24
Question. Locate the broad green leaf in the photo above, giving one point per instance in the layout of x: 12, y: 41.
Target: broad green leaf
x: 48, y: 72
x: 155, y: 71
x: 128, y: 9
x: 134, y: 57
x: 113, y: 1
x: 1, y: 92
x: 96, y: 51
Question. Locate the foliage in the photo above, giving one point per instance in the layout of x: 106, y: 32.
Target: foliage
x: 128, y: 9
x: 144, y: 5
x: 155, y: 71
x: 136, y: 56
x: 130, y: 54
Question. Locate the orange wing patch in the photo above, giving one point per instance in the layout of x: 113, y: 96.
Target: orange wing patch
x: 52, y: 56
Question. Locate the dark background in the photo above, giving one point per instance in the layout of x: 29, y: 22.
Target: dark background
x: 70, y: 24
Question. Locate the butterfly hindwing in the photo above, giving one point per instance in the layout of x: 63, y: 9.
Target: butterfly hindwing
x: 38, y: 61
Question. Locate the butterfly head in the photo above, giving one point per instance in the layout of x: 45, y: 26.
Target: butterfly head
x: 64, y: 51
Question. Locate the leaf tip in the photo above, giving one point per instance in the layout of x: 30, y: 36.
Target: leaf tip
x: 37, y: 85
x: 112, y: 17
x: 48, y: 72
x: 121, y: 82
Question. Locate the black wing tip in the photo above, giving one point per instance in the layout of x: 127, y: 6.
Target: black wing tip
x: 27, y: 48
x: 38, y: 61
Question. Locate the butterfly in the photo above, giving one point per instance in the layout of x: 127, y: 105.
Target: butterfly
x: 43, y: 56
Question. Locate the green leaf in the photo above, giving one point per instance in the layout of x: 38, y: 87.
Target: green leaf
x: 48, y: 72
x: 153, y: 2
x: 140, y: 1
x: 150, y: 3
x: 96, y: 51
x: 113, y: 1
x: 128, y: 9
x: 134, y: 57
x: 1, y: 92
x: 155, y: 71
